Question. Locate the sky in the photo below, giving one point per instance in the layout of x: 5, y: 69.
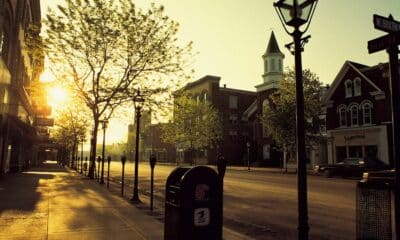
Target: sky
x: 230, y: 37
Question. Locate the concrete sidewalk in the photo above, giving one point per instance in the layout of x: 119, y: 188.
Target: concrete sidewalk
x: 51, y: 202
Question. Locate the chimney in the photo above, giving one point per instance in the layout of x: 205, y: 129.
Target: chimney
x: 224, y: 85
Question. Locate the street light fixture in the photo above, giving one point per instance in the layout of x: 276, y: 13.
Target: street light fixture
x: 138, y: 102
x: 104, y: 123
x: 295, y: 13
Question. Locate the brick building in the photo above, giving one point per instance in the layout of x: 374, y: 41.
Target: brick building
x: 231, y: 105
x: 358, y: 114
x: 18, y: 70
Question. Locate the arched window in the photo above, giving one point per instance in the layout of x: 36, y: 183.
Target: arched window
x: 205, y: 97
x: 367, y: 113
x: 265, y: 108
x: 357, y: 87
x: 354, y: 114
x: 348, y: 88
x: 342, y: 116
x: 266, y: 66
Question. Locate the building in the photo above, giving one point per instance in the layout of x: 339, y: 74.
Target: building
x: 358, y: 114
x: 266, y: 152
x: 19, y: 70
x: 236, y: 129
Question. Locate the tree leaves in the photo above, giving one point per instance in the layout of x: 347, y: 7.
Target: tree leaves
x: 279, y: 118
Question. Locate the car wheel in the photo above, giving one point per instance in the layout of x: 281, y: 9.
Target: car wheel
x: 328, y: 173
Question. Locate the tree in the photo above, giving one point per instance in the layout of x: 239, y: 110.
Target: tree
x: 71, y: 127
x: 195, y: 126
x: 279, y: 117
x: 106, y: 50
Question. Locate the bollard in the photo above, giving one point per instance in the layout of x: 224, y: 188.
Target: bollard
x: 108, y: 171
x: 153, y: 161
x: 123, y: 160
x: 98, y: 168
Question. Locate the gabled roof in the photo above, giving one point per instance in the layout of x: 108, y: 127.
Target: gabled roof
x: 357, y: 67
x: 272, y: 45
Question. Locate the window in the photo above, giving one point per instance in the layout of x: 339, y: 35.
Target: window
x: 233, y: 118
x: 205, y: 97
x: 272, y: 65
x: 233, y: 102
x: 342, y: 116
x: 266, y: 65
x: 349, y: 88
x: 354, y: 115
x: 4, y: 41
x: 367, y: 113
x: 280, y: 65
x: 357, y: 87
x: 233, y: 134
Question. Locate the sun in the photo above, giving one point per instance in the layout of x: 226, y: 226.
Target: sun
x: 57, y: 96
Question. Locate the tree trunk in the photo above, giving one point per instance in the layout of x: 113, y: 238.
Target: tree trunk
x: 93, y: 144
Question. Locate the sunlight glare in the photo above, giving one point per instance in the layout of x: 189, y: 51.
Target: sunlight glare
x: 57, y: 96
x: 47, y: 76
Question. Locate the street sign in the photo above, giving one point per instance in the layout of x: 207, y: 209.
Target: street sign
x: 386, y: 24
x: 384, y: 42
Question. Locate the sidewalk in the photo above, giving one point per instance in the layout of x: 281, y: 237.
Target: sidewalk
x: 51, y: 202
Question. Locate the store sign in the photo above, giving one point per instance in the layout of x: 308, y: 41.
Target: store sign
x: 48, y: 122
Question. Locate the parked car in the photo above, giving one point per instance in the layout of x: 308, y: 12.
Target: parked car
x: 350, y: 167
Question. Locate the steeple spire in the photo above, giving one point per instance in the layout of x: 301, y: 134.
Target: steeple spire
x: 272, y: 45
x: 273, y: 65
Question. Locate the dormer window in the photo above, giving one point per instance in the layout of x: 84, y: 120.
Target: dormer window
x: 348, y: 88
x: 342, y: 116
x: 357, y: 87
x: 354, y: 114
x: 367, y: 113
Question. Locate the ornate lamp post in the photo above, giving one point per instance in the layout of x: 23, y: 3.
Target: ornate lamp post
x: 138, y: 101
x: 295, y: 13
x: 104, y: 123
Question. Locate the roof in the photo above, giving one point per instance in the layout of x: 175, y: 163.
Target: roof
x: 339, y: 78
x: 272, y: 45
x: 203, y: 79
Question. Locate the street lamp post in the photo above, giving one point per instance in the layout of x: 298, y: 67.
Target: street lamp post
x: 104, y: 125
x: 295, y: 13
x: 248, y: 155
x: 138, y: 101
x: 82, y: 155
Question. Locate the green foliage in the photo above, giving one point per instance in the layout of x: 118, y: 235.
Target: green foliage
x: 71, y: 127
x: 106, y: 50
x: 279, y: 118
x: 195, y: 125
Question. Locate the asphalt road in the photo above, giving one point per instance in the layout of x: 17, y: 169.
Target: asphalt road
x: 263, y: 204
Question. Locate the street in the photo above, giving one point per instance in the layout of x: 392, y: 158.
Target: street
x: 262, y: 204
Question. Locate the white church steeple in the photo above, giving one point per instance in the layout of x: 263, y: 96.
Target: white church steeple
x: 273, y: 66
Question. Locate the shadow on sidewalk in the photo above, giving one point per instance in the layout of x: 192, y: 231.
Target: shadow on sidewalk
x: 21, y: 191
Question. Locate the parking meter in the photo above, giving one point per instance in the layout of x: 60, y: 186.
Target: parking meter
x: 153, y: 160
x: 221, y: 165
x: 123, y: 160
